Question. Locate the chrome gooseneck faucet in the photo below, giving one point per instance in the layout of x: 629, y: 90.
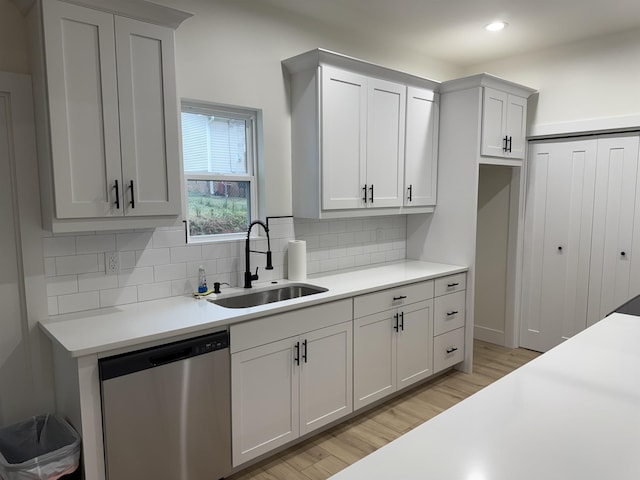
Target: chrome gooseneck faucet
x: 248, y: 276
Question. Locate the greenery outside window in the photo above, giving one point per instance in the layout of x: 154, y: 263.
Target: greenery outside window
x: 219, y: 153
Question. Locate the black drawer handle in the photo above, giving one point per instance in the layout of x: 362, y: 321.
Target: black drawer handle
x: 117, y: 202
x: 133, y: 195
x: 401, y: 297
x: 297, y: 357
x: 402, y: 321
x: 450, y: 285
x: 454, y: 312
x: 304, y: 355
x: 364, y: 193
x: 396, y: 326
x: 452, y: 349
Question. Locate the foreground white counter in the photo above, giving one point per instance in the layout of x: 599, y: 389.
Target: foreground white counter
x: 572, y: 413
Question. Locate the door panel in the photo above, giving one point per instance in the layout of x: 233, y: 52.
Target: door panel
x: 559, y: 202
x: 326, y: 391
x: 385, y: 143
x: 494, y: 111
x: 415, y: 341
x: 374, y: 358
x: 617, y: 170
x: 344, y: 117
x: 83, y: 107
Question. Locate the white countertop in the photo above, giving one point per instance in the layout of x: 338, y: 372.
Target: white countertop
x: 572, y: 413
x: 111, y: 329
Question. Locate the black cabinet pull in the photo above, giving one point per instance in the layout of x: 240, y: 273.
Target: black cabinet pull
x: 623, y: 254
x: 117, y: 202
x: 454, y: 312
x: 560, y: 248
x: 510, y: 143
x: 371, y: 190
x: 451, y: 285
x: 133, y: 200
x: 297, y: 357
x: 504, y: 144
x: 304, y: 354
x: 395, y: 327
x: 410, y: 192
x: 364, y: 193
x: 402, y: 321
x: 400, y: 297
x: 452, y: 349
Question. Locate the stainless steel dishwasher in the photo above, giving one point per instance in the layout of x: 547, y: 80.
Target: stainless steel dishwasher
x: 166, y: 411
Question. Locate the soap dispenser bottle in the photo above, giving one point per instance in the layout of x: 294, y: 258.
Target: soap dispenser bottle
x: 202, y: 280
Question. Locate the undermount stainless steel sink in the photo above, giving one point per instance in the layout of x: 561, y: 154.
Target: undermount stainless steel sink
x: 269, y: 295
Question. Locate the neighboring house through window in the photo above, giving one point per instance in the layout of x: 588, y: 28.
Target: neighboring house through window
x: 219, y: 153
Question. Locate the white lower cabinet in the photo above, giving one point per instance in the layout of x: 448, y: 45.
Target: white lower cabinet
x: 392, y: 348
x: 449, y: 321
x: 287, y: 388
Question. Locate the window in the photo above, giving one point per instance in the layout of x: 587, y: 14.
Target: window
x: 219, y: 152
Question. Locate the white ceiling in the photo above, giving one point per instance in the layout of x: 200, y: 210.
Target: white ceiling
x: 452, y: 30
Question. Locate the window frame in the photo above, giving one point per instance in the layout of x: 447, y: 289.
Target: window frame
x: 250, y: 116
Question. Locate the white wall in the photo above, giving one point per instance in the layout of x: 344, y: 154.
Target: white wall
x: 492, y: 241
x: 230, y: 52
x: 592, y: 79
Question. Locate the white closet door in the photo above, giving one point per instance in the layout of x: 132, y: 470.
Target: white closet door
x: 615, y: 198
x: 558, y: 210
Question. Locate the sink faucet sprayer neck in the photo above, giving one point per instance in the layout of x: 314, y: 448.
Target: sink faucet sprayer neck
x: 248, y: 276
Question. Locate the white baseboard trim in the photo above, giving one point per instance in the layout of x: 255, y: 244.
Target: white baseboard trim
x: 487, y: 334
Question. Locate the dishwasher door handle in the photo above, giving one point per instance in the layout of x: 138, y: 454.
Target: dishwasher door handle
x: 170, y: 357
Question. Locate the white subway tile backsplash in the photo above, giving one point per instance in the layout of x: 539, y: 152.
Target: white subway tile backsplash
x: 77, y: 264
x: 95, y: 243
x: 58, y: 246
x: 118, y: 296
x: 134, y: 241
x: 163, y: 273
x: 96, y: 281
x: 50, y: 267
x: 168, y: 238
x: 157, y: 263
x: 153, y: 291
x: 52, y: 305
x: 186, y: 254
x: 62, y: 285
x: 152, y: 256
x: 135, y: 276
x: 78, y: 302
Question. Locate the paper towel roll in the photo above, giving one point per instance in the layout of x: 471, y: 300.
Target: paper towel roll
x: 297, y: 260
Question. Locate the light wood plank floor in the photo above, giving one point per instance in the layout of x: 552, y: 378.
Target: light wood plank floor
x: 329, y: 452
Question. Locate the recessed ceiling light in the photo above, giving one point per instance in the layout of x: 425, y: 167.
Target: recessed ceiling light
x: 495, y: 26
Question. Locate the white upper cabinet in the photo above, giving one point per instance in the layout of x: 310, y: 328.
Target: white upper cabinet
x: 504, y: 119
x: 109, y: 114
x: 421, y: 148
x: 354, y: 132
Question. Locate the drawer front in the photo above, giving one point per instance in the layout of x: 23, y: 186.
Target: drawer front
x: 450, y: 284
x: 272, y: 328
x: 370, y: 303
x: 448, y: 349
x: 448, y: 312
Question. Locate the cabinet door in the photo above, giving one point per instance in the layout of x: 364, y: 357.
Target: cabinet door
x: 343, y: 138
x: 264, y: 399
x: 415, y: 340
x: 83, y: 109
x: 385, y: 143
x: 421, y: 148
x: 494, y: 114
x: 611, y: 249
x: 148, y: 118
x: 374, y: 358
x: 516, y: 126
x: 557, y: 245
x: 326, y: 384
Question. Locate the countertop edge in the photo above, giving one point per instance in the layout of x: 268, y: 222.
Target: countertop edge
x: 59, y: 328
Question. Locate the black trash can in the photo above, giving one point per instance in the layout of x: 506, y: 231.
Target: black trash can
x: 45, y: 447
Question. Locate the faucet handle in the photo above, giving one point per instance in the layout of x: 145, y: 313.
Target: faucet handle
x: 255, y: 275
